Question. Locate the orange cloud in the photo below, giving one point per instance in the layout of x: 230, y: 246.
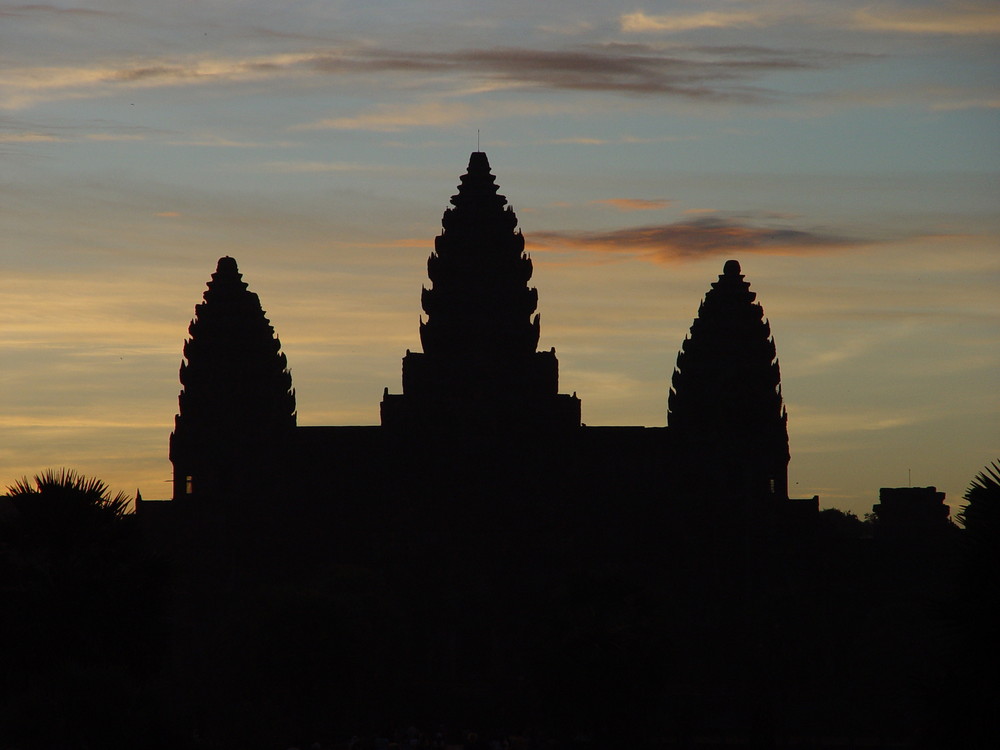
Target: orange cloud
x: 643, y: 22
x: 636, y: 204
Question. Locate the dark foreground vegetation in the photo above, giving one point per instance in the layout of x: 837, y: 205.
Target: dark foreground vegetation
x: 507, y: 626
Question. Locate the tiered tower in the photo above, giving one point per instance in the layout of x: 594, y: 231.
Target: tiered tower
x: 480, y: 368
x: 237, y: 402
x: 725, y: 409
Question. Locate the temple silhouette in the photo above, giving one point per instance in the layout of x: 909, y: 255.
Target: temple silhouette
x: 481, y: 388
x: 483, y: 559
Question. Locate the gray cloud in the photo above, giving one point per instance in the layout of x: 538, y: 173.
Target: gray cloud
x: 707, y: 72
x: 152, y: 71
x: 702, y: 73
x: 696, y: 238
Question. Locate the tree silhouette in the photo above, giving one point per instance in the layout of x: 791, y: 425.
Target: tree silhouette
x: 981, y: 514
x: 833, y: 523
x: 81, y: 613
x: 66, y: 497
x: 965, y: 691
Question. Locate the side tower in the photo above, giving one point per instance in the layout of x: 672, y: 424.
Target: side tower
x: 725, y: 410
x: 237, y: 402
x: 480, y: 369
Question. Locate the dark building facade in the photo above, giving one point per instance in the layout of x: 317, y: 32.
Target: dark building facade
x: 481, y: 387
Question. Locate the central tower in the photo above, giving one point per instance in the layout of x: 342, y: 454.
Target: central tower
x: 480, y: 368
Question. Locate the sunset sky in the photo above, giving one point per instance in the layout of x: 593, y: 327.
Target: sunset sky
x: 846, y: 153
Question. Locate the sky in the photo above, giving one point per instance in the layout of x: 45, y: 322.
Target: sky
x: 846, y: 153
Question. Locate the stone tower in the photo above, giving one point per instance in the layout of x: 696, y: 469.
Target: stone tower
x: 237, y: 402
x: 725, y: 409
x: 479, y: 368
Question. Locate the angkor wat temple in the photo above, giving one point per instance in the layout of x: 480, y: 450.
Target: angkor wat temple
x: 480, y: 395
x: 482, y: 558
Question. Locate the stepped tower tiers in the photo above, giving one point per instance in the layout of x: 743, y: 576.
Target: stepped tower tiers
x: 725, y: 407
x: 480, y: 367
x: 237, y: 401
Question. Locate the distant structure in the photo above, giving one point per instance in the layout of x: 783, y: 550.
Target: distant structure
x: 911, y: 513
x: 481, y: 386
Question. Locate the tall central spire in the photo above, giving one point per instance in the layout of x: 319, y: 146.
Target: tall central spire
x: 480, y: 363
x: 480, y: 302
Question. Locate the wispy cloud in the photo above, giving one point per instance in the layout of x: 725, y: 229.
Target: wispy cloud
x: 640, y: 21
x: 579, y: 141
x: 622, y: 139
x: 71, y: 421
x: 812, y: 421
x: 25, y: 86
x: 567, y: 28
x: 218, y: 141
x: 696, y: 238
x: 66, y: 137
x: 29, y: 138
x: 635, y: 69
x: 391, y: 118
x: 305, y: 167
x: 115, y: 137
x: 44, y: 9
x: 706, y: 73
x: 960, y: 104
x: 635, y: 204
x: 958, y: 18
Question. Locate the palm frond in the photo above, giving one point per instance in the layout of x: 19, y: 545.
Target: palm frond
x: 74, y: 487
x: 983, y: 498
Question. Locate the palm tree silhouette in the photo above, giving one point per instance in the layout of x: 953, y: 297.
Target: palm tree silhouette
x: 982, y: 513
